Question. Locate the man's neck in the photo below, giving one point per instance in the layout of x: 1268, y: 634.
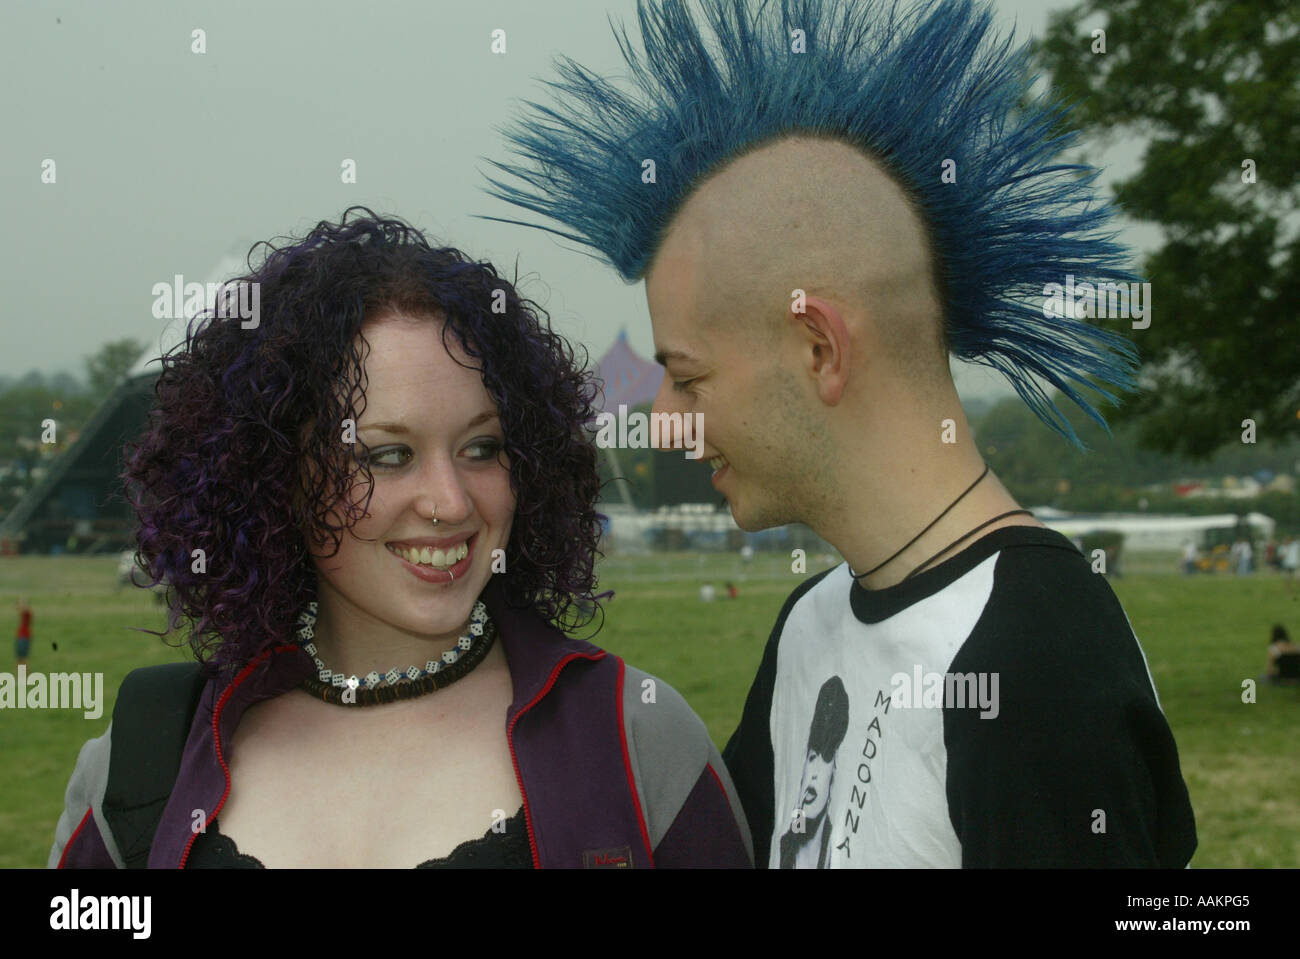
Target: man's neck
x: 889, y: 494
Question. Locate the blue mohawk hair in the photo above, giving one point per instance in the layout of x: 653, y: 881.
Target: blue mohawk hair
x: 911, y: 88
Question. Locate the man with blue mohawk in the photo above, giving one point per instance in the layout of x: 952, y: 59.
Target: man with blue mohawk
x: 826, y: 199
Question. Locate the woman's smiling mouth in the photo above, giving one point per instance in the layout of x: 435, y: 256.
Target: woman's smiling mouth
x: 435, y: 560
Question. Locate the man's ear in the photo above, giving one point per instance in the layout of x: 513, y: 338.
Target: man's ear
x: 824, y: 347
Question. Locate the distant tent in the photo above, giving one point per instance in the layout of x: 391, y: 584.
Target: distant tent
x: 629, y: 380
x: 80, y: 504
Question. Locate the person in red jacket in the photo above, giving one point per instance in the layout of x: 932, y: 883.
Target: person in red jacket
x: 23, y: 641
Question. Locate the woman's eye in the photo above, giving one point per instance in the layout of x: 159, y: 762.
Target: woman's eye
x: 390, y: 457
x: 394, y: 457
x: 488, y: 449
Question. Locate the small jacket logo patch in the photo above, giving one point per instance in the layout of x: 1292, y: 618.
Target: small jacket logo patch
x: 619, y: 858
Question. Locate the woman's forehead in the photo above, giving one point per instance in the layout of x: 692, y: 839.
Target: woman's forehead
x: 399, y: 343
x: 409, y: 372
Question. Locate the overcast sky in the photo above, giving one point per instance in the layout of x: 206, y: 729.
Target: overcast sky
x: 169, y: 162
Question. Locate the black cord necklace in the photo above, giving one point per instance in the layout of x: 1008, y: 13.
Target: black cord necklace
x: 932, y: 525
x: 1013, y: 512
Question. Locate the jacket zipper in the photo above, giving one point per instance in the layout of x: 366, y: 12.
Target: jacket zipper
x: 216, y: 739
x: 510, y: 742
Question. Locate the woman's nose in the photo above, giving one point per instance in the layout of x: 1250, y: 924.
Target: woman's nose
x: 443, y: 495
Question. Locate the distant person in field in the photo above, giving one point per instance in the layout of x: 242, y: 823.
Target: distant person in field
x: 1190, y: 557
x: 1242, y: 554
x: 827, y: 201
x: 23, y: 640
x: 1283, y: 657
x: 1291, y: 556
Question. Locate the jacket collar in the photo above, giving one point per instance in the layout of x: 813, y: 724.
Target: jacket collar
x: 534, y: 648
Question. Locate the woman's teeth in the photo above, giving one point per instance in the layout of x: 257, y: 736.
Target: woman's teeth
x: 437, y: 558
x: 718, y: 462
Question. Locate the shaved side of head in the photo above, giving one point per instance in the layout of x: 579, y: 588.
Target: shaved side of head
x: 821, y: 216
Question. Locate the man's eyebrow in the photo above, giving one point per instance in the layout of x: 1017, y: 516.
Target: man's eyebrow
x: 663, y: 356
x: 401, y: 428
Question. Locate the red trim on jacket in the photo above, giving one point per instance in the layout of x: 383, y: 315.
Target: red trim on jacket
x: 721, y: 788
x: 73, y: 838
x: 627, y: 763
x: 510, y: 742
x: 216, y: 736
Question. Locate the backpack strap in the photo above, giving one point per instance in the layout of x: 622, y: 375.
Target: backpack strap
x: 151, y: 723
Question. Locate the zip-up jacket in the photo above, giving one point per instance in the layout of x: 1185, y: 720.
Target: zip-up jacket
x: 614, y: 767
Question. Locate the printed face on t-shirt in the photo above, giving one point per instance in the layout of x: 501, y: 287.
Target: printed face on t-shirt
x: 815, y: 788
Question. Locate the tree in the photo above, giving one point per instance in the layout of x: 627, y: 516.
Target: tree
x: 1214, y: 85
x: 105, y: 369
x: 1042, y: 468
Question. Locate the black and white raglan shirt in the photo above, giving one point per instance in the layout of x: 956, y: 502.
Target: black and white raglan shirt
x: 1000, y: 712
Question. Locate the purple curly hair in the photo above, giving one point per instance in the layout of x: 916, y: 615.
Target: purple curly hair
x: 240, y: 411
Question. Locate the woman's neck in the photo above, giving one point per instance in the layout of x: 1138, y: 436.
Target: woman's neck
x: 353, y: 642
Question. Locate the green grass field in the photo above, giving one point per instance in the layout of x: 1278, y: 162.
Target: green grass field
x: 1202, y: 637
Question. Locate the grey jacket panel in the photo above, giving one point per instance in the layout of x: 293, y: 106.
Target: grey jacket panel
x: 86, y: 791
x: 669, y: 748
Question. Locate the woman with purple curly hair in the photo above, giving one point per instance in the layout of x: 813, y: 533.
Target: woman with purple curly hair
x: 374, y: 503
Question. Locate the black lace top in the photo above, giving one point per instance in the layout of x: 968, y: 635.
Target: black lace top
x: 495, y: 850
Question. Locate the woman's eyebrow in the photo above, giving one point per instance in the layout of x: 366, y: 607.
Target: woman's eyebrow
x: 401, y: 428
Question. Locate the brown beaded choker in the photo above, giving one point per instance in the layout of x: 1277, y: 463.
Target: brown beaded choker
x: 407, y: 688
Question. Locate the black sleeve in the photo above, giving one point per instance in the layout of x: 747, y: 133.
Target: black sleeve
x: 1079, y: 766
x: 748, y: 754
